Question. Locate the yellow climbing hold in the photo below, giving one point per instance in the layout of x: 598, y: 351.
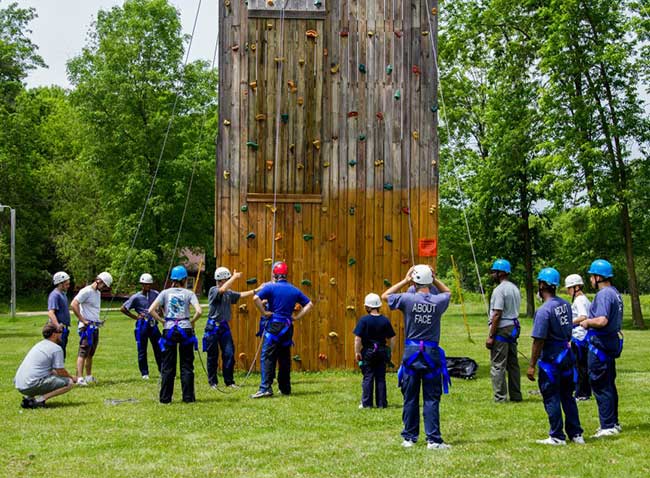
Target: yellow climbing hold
x: 379, y: 162
x: 260, y: 117
x: 333, y: 334
x: 300, y: 166
x: 226, y: 123
x: 415, y: 135
x: 332, y: 281
x: 334, y: 70
x: 280, y: 59
x: 253, y: 84
x: 316, y: 143
x: 301, y: 61
x: 226, y: 174
x: 351, y: 308
x: 269, y: 26
x: 268, y: 260
x: 326, y: 164
x: 300, y: 101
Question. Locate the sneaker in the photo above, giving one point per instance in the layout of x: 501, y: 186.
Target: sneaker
x: 582, y: 399
x: 39, y: 403
x: 90, y: 379
x: 551, y: 441
x: 438, y: 446
x: 82, y: 382
x: 28, y: 402
x: 606, y: 432
x: 578, y: 439
x: 234, y: 386
x: 618, y: 427
x: 361, y: 406
x: 261, y: 394
x: 408, y: 443
x: 214, y: 386
x: 145, y: 377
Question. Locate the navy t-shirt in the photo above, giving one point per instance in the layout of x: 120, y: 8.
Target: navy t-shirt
x: 141, y: 302
x: 422, y: 313
x: 220, y: 304
x: 553, y: 324
x: 58, y: 302
x: 282, y: 298
x: 374, y: 329
x: 608, y: 303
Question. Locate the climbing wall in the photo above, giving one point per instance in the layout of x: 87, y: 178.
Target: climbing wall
x: 357, y: 126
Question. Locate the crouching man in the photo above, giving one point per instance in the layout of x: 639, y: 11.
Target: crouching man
x: 42, y: 375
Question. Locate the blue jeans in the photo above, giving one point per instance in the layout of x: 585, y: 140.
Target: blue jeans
x: 558, y: 396
x: 223, y: 340
x: 148, y: 334
x: 276, y: 351
x: 602, y: 377
x: 431, y: 392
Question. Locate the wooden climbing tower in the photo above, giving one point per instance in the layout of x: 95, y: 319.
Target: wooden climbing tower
x: 357, y: 127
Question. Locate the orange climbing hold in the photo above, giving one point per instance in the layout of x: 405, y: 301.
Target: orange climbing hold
x: 322, y: 357
x: 311, y: 34
x: 269, y: 165
x: 253, y: 84
x: 332, y: 237
x: 260, y: 117
x: 292, y: 86
x: 278, y: 236
x: 242, y: 356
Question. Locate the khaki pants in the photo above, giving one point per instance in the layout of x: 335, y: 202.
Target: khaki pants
x: 503, y: 360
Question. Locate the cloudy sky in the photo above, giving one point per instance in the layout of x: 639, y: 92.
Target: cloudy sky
x: 61, y: 27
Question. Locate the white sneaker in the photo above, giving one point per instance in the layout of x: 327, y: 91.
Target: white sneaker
x: 578, y: 439
x: 81, y: 382
x: 551, y: 441
x: 145, y: 377
x: 90, y: 379
x: 438, y: 446
x: 606, y: 432
x: 234, y: 386
x: 408, y: 444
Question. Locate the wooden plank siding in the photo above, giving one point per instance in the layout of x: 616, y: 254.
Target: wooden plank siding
x: 341, y: 177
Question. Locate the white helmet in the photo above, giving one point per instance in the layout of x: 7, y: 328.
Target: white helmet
x: 372, y: 300
x: 422, y: 275
x: 106, y: 278
x: 222, y: 273
x: 573, y: 280
x: 60, y: 277
x: 146, y: 279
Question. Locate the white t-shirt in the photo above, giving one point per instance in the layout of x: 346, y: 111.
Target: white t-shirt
x: 580, y: 307
x: 39, y: 362
x: 90, y: 301
x: 176, y: 305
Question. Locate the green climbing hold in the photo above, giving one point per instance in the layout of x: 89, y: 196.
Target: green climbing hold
x: 252, y: 280
x: 351, y: 211
x: 397, y: 95
x: 352, y: 163
x: 307, y: 237
x: 388, y: 186
x: 244, y: 208
x: 297, y: 207
x: 250, y: 235
x: 318, y: 3
x: 387, y: 283
x: 285, y: 118
x: 362, y: 68
x: 306, y: 282
x: 362, y: 137
x: 389, y: 69
x: 352, y: 261
x: 296, y: 358
x: 388, y: 237
x: 434, y: 108
x: 253, y: 145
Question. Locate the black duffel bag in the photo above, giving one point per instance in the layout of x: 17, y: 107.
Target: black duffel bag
x: 462, y: 367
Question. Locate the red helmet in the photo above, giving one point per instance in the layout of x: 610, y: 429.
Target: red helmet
x: 280, y: 269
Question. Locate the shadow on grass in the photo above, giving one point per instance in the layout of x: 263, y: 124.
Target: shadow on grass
x: 15, y: 335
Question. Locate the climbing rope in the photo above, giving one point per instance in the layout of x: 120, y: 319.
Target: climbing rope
x: 454, y: 166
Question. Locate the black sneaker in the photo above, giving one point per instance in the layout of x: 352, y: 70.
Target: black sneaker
x: 39, y: 404
x: 28, y: 402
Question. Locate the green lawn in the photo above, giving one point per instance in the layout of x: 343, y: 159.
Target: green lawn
x: 318, y: 431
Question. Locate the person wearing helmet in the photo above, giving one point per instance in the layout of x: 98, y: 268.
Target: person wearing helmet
x: 217, y: 334
x: 580, y: 311
x: 87, y: 306
x: 423, y: 363
x: 178, y: 340
x: 58, y: 309
x: 370, y: 350
x: 146, y: 327
x: 551, y: 350
x: 503, y: 335
x: 281, y: 297
x: 605, y: 345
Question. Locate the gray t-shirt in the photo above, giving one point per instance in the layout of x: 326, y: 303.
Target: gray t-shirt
x: 176, y: 305
x: 90, y: 301
x: 39, y: 362
x: 506, y: 298
x: 220, y: 304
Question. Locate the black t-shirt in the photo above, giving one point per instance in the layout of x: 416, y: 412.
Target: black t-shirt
x: 374, y: 329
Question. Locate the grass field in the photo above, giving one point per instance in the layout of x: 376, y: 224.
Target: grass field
x: 318, y: 431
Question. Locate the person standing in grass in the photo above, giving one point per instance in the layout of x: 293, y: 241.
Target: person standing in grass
x: 504, y: 333
x: 146, y: 328
x: 605, y: 345
x: 423, y: 363
x: 217, y: 334
x: 178, y: 340
x: 551, y: 350
x: 370, y: 350
x: 58, y: 309
x: 42, y: 375
x: 580, y: 311
x: 87, y: 306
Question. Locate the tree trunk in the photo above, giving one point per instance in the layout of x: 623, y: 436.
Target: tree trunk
x: 637, y: 315
x: 528, y: 249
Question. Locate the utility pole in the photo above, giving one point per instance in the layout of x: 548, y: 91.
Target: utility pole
x: 12, y: 214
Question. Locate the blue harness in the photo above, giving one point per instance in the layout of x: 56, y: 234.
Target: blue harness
x: 277, y: 338
x: 212, y: 328
x: 66, y: 333
x: 166, y: 339
x: 87, y: 333
x: 581, y: 345
x: 406, y: 367
x: 552, y: 368
x: 601, y: 354
x: 512, y: 338
x: 141, y: 326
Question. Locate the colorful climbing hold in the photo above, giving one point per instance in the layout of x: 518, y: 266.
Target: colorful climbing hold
x: 300, y: 166
x: 362, y: 68
x: 226, y: 123
x: 226, y: 174
x: 250, y: 235
x: 305, y: 282
x: 379, y: 162
x: 344, y: 33
x: 307, y: 237
x: 434, y: 107
x: 316, y: 143
x: 313, y: 34
x: 278, y: 236
x: 243, y: 308
x: 270, y: 3
x: 416, y: 70
x: 326, y: 164
x: 279, y: 59
x: 300, y: 101
x: 268, y: 260
x: 398, y: 33
x: 292, y: 86
x: 352, y: 163
x: 425, y: 33
x: 269, y: 165
x: 352, y: 210
x: 301, y: 61
x: 244, y: 208
x: 333, y: 334
x: 351, y: 308
x: 397, y: 95
x: 380, y: 116
x: 322, y: 357
x: 387, y: 283
x: 332, y: 281
x: 434, y: 11
x: 388, y: 186
x: 235, y: 48
x: 415, y: 135
x: 292, y: 148
x: 296, y: 358
x: 432, y: 209
x: 353, y: 114
x: 334, y: 69
x: 253, y: 145
x: 284, y: 117
x: 260, y: 117
x: 297, y: 207
x: 253, y: 46
x: 332, y: 237
x: 406, y: 210
x: 253, y: 85
x: 388, y: 237
x: 404, y: 260
x: 252, y: 280
x: 242, y: 356
x: 352, y: 261
x: 362, y: 137
x: 269, y: 26
x: 389, y: 69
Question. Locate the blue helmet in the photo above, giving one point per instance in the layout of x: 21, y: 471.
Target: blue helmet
x: 601, y: 267
x: 501, y: 265
x: 179, y: 273
x: 549, y: 275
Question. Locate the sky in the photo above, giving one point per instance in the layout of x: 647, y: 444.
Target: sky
x: 61, y: 27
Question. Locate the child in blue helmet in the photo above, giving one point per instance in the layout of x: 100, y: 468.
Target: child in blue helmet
x: 178, y: 338
x: 551, y: 351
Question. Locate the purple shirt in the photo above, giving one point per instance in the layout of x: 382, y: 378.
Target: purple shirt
x: 422, y: 313
x: 58, y: 302
x: 141, y: 302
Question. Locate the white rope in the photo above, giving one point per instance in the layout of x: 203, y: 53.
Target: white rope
x: 453, y: 161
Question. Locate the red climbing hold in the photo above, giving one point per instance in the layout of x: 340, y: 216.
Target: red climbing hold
x: 406, y: 210
x: 380, y: 116
x: 416, y: 70
x: 398, y: 33
x: 353, y: 114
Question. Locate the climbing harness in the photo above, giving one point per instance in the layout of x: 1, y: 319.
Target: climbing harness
x: 552, y: 369
x: 434, y: 370
x: 166, y: 340
x: 514, y: 335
